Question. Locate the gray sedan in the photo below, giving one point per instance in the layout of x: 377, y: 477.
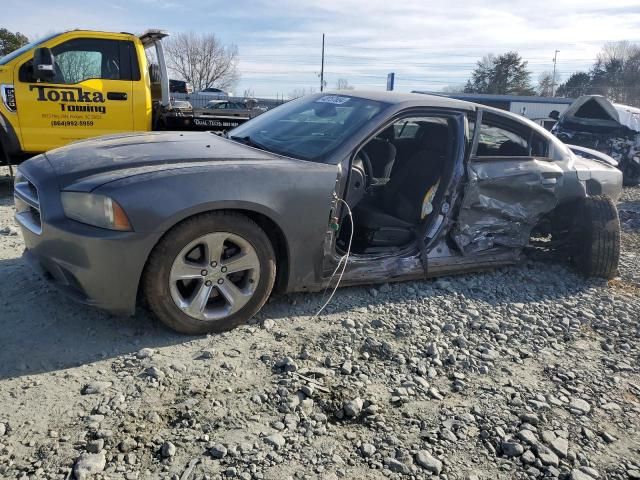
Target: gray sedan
x: 330, y: 188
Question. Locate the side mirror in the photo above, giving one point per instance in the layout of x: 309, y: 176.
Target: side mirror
x: 554, y: 114
x: 43, y: 64
x: 154, y: 73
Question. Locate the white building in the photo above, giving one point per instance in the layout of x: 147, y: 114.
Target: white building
x: 534, y: 108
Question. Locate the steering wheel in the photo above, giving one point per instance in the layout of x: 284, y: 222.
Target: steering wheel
x: 368, y: 167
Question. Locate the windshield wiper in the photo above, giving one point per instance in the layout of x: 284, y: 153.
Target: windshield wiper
x: 247, y: 141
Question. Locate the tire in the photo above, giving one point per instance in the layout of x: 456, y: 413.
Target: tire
x: 631, y: 175
x: 201, y: 305
x: 597, y: 239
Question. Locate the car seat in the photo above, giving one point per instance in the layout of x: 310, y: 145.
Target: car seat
x: 391, y: 217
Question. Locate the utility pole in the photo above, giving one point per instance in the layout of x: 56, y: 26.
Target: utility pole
x: 322, y: 66
x: 553, y: 80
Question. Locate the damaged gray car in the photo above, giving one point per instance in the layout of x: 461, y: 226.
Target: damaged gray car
x: 357, y: 188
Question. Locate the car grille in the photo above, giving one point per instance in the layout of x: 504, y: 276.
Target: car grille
x: 27, y: 204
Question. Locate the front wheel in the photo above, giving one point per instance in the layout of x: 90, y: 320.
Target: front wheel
x: 597, y: 238
x: 210, y: 273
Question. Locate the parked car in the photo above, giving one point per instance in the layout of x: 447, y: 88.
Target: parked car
x: 182, y: 105
x: 230, y: 109
x: 180, y: 86
x: 177, y: 116
x: 214, y: 93
x: 379, y: 186
x: 594, y: 122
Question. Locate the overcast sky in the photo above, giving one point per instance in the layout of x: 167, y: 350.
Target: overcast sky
x: 429, y: 44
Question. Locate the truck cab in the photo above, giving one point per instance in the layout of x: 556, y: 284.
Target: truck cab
x: 79, y: 84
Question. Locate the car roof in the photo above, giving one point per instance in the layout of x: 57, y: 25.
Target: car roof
x: 411, y: 99
x: 407, y: 100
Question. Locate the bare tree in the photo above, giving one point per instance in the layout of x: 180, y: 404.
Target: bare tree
x: 546, y: 83
x: 202, y: 60
x: 622, y: 50
x: 343, y: 84
x: 301, y: 92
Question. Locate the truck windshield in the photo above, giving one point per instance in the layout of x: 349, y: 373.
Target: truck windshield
x: 16, y: 53
x: 309, y: 128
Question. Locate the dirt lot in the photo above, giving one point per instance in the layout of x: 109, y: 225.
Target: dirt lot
x: 525, y: 372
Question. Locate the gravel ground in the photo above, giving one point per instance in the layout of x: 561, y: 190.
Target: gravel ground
x: 524, y: 372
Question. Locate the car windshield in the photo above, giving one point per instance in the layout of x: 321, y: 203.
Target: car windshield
x: 16, y: 53
x: 309, y: 128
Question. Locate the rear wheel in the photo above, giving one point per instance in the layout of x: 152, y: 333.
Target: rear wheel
x: 210, y: 273
x: 597, y: 238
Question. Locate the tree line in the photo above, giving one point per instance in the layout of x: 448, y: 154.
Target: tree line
x: 614, y: 74
x: 204, y: 61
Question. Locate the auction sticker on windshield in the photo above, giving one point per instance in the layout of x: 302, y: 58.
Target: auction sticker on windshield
x: 335, y: 99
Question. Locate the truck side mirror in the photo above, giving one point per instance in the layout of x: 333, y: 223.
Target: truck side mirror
x: 43, y: 64
x: 154, y: 73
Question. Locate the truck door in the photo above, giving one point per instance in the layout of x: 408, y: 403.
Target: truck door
x: 89, y: 95
x: 511, y: 183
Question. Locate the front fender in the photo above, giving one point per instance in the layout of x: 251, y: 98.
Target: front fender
x: 294, y: 195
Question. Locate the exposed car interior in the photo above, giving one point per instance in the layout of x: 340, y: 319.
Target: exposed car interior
x: 394, y: 181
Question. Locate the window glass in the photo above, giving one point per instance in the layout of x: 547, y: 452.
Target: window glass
x: 501, y: 137
x: 84, y: 58
x: 309, y: 128
x: 406, y: 129
x: 539, y: 146
x: 498, y: 142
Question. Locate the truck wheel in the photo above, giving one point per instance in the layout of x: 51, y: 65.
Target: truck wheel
x: 210, y: 273
x: 597, y: 239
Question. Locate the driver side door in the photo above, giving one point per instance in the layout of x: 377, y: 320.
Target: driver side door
x: 90, y: 94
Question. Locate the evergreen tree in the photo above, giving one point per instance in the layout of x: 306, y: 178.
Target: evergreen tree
x: 10, y: 41
x: 504, y: 74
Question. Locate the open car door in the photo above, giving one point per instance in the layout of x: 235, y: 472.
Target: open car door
x: 402, y: 216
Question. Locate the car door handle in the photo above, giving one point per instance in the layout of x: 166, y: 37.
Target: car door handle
x: 549, y: 182
x: 116, y: 96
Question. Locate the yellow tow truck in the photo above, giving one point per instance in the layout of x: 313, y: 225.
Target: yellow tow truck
x: 80, y: 84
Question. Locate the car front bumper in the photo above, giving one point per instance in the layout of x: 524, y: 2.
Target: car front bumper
x: 95, y: 266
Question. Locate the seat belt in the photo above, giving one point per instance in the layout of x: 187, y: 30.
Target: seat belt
x: 421, y: 232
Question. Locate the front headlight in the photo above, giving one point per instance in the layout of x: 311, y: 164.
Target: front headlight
x: 97, y: 210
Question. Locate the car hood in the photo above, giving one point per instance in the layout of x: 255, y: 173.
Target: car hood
x: 118, y: 156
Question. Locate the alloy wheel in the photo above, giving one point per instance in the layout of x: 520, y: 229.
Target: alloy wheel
x: 214, y: 276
